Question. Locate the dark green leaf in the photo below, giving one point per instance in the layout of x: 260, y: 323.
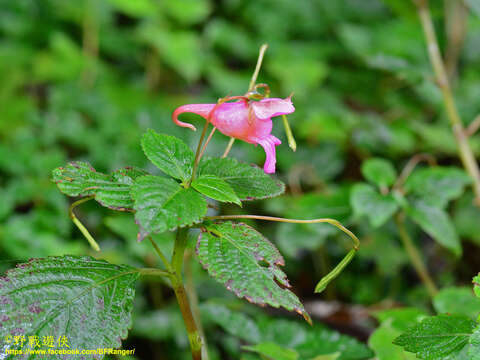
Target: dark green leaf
x: 162, y: 204
x: 113, y: 191
x: 248, y: 182
x: 457, y: 300
x: 86, y: 300
x: 437, y: 336
x: 272, y: 351
x: 234, y: 253
x: 366, y: 201
x: 437, y: 185
x: 234, y: 322
x: 435, y: 222
x: 379, y: 171
x: 215, y: 188
x: 169, y: 154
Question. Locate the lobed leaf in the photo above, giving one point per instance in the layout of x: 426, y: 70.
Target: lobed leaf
x: 216, y: 188
x: 435, y: 222
x: 113, y: 191
x: 248, y: 182
x: 366, y: 201
x: 169, y: 154
x: 244, y: 261
x: 86, y: 300
x: 437, y: 336
x: 161, y: 205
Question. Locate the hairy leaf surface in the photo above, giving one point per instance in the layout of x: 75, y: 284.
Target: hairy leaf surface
x: 113, y: 191
x: 169, y: 154
x: 86, y: 300
x: 161, y: 205
x: 436, y: 337
x: 215, y: 188
x: 248, y: 182
x: 248, y: 264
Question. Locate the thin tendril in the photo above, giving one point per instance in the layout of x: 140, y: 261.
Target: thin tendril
x: 332, y: 274
x: 80, y: 226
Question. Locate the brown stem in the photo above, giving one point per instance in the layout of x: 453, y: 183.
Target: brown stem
x: 192, y: 332
x: 415, y: 257
x: 466, y: 154
x: 411, y: 165
x: 177, y: 263
x: 473, y: 127
x: 456, y: 29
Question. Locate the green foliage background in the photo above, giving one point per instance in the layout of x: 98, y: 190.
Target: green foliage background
x: 83, y: 80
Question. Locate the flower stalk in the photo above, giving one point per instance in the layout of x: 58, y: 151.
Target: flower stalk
x: 466, y: 154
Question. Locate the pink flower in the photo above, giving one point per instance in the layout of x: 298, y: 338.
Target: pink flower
x: 244, y: 119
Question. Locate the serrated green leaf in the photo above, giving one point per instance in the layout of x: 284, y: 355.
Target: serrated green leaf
x: 435, y: 222
x: 161, y: 204
x: 437, y: 185
x: 437, y: 336
x: 273, y: 351
x: 215, y: 188
x: 379, y: 172
x: 474, y: 345
x: 457, y: 300
x: 234, y: 322
x: 381, y: 341
x: 232, y: 253
x: 248, y: 182
x: 366, y: 201
x: 113, y: 191
x: 86, y: 300
x: 169, y: 154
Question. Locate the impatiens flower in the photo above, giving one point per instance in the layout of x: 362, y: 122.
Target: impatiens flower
x: 247, y: 120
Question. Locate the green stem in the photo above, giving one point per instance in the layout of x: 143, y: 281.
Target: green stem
x: 197, y: 154
x: 261, y: 54
x: 251, y: 87
x: 229, y: 147
x: 160, y: 254
x: 80, y: 226
x: 415, y: 257
x: 466, y: 154
x: 177, y: 283
x: 288, y: 131
x: 154, y: 272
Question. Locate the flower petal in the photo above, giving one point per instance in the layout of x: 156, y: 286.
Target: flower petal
x: 200, y: 109
x: 268, y: 143
x: 267, y: 108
